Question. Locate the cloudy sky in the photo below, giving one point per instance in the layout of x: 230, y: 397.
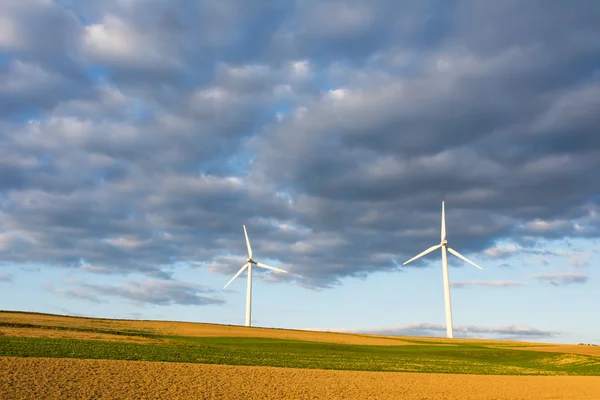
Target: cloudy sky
x: 136, y: 137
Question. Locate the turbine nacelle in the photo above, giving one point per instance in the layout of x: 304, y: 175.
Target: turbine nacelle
x: 443, y: 243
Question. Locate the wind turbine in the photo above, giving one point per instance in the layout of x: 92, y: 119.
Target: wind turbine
x: 248, y: 265
x: 444, y: 246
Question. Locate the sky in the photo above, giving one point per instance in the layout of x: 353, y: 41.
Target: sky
x: 136, y: 137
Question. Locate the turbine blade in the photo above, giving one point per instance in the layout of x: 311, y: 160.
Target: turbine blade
x: 269, y: 267
x: 236, y: 275
x: 247, y: 242
x: 443, y: 223
x: 457, y: 254
x: 429, y: 250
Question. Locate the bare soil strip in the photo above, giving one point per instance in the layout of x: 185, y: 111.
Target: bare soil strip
x: 47, y: 378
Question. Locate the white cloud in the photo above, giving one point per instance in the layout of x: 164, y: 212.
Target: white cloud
x: 115, y: 42
x: 27, y: 79
x: 78, y: 294
x: 126, y: 243
x: 190, y: 150
x: 561, y: 279
x: 507, y: 332
x: 246, y: 72
x: 212, y: 96
x: 571, y: 110
x: 541, y: 227
x: 102, y: 269
x: 334, y: 19
x: 9, y: 33
x: 503, y: 251
x: 299, y: 69
x: 318, y: 242
x: 154, y: 291
x: 461, y: 284
x: 338, y: 94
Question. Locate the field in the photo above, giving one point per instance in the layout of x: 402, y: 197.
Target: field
x: 39, y: 378
x: 74, y: 357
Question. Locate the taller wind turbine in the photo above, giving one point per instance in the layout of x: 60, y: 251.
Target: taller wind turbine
x: 444, y: 245
x: 248, y: 265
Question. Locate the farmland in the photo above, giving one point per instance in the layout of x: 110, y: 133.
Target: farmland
x: 35, y: 342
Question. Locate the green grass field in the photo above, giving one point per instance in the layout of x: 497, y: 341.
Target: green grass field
x: 463, y: 358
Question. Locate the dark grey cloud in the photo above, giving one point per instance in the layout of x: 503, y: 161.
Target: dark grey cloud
x: 561, y: 279
x: 38, y: 70
x: 498, y: 284
x: 138, y: 135
x: 507, y: 332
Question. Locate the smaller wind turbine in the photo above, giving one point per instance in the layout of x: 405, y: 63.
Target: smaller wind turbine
x: 248, y: 265
x: 444, y: 245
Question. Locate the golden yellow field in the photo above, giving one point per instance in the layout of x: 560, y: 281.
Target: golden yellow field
x: 39, y: 378
x: 66, y: 378
x: 167, y: 328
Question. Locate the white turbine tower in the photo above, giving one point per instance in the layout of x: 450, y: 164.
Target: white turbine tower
x: 248, y: 265
x: 444, y: 245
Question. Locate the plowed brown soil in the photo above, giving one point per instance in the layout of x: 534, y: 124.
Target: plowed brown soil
x: 47, y: 378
